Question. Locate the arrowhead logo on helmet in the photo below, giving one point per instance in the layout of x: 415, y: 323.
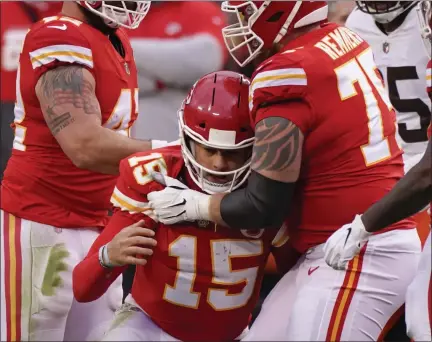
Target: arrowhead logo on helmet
x: 128, y: 14
x: 261, y: 24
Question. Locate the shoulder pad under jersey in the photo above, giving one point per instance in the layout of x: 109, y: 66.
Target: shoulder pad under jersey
x: 135, y: 180
x: 280, y: 78
x: 56, y: 40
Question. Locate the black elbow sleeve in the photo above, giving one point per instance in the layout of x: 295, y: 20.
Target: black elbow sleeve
x: 263, y: 203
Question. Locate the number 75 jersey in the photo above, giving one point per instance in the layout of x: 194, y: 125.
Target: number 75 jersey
x: 401, y: 57
x: 203, y: 281
x: 326, y: 83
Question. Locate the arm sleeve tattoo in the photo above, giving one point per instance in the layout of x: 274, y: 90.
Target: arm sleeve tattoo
x: 276, y: 160
x: 277, y: 150
x: 62, y: 90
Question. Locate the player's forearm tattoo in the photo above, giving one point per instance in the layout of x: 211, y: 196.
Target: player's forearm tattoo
x: 277, y: 145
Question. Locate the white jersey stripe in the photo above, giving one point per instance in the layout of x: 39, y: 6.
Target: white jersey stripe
x: 277, y: 78
x: 428, y: 76
x: 63, y: 53
x: 125, y: 203
x: 281, y: 237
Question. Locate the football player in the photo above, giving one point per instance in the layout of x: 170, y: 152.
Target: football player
x: 392, y: 30
x: 202, y: 281
x: 76, y: 98
x: 325, y: 150
x: 411, y: 194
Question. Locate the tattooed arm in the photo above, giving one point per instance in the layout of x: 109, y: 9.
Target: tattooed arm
x: 276, y: 160
x: 71, y: 110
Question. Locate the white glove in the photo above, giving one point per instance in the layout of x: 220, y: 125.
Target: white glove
x: 177, y: 203
x: 345, y: 243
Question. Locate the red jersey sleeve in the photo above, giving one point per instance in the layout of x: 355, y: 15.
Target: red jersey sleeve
x: 135, y: 182
x: 90, y: 279
x: 56, y: 41
x: 279, y: 88
x: 297, y: 112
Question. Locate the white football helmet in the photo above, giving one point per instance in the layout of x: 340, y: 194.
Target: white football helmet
x: 119, y: 13
x: 385, y: 12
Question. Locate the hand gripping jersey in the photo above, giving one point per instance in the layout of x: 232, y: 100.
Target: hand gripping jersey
x: 202, y: 281
x: 401, y: 58
x: 337, y: 99
x: 41, y: 183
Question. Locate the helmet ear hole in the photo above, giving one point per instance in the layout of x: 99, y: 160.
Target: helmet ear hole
x: 202, y: 125
x: 275, y: 17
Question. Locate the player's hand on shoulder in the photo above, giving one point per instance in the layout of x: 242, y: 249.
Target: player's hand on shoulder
x: 345, y: 243
x: 133, y: 245
x: 177, y: 203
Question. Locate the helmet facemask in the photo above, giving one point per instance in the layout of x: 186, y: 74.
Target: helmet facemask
x: 263, y: 24
x: 198, y: 172
x: 119, y: 13
x: 385, y: 12
x: 241, y: 41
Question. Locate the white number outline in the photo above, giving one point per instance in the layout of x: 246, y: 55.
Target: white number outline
x: 142, y: 172
x: 122, y: 122
x: 362, y: 70
x: 20, y: 115
x: 214, y: 302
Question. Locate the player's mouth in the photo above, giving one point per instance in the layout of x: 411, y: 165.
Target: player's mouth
x: 218, y: 179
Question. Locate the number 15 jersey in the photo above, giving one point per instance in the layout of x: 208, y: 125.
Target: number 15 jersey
x: 202, y: 281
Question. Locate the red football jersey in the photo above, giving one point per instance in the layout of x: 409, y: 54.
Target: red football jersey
x: 16, y: 18
x: 202, y: 281
x: 40, y: 182
x: 336, y: 97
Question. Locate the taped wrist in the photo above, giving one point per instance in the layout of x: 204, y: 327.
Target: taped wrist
x: 263, y: 203
x: 104, y: 260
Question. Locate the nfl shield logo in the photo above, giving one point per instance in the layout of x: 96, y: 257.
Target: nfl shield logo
x: 386, y: 47
x: 203, y: 223
x: 126, y: 66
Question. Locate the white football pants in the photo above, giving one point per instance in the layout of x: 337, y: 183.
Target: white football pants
x: 132, y: 324
x: 418, y: 306
x: 37, y: 300
x: 314, y: 302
